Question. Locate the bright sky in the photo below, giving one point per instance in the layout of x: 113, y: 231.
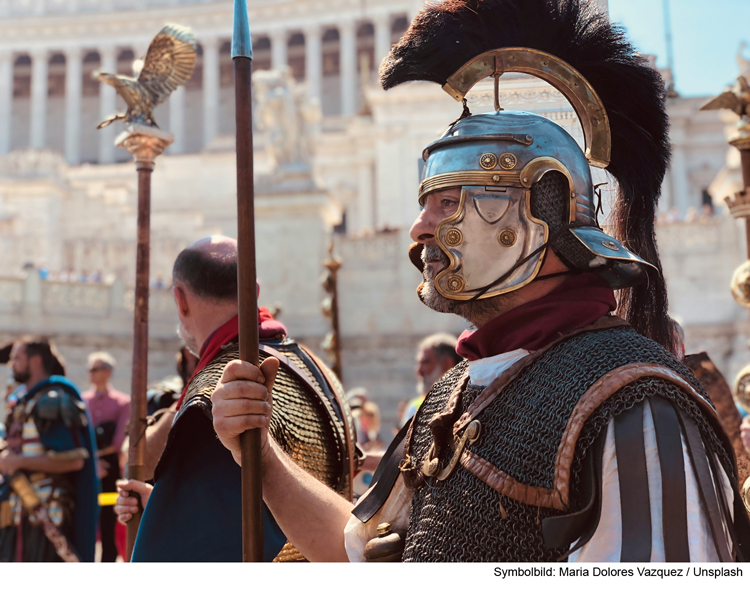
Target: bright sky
x: 706, y: 36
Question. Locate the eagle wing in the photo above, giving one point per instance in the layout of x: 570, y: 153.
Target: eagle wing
x: 726, y: 100
x: 169, y: 62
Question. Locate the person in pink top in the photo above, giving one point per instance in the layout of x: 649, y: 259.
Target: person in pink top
x: 109, y: 410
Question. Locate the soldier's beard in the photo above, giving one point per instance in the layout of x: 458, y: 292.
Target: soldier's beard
x: 188, y: 339
x: 21, y: 377
x: 478, y: 312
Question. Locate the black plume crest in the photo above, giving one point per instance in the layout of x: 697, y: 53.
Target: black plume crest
x: 447, y: 34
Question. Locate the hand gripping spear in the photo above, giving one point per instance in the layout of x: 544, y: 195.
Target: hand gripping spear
x: 252, y: 493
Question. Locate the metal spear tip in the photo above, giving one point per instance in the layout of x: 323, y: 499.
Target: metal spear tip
x: 242, y: 44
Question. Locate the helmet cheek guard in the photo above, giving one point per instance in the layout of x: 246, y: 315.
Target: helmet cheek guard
x: 492, y: 234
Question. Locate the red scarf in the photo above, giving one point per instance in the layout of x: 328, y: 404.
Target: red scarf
x: 268, y: 328
x: 578, y: 302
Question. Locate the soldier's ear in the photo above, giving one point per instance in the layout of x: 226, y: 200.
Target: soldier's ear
x: 181, y: 300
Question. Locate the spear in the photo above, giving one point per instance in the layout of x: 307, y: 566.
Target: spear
x: 252, y: 493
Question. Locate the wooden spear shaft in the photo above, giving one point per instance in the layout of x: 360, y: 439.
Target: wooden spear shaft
x: 139, y: 376
x: 252, y: 493
x: 145, y: 144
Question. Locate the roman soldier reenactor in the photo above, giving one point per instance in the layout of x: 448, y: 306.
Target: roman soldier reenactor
x: 571, y: 431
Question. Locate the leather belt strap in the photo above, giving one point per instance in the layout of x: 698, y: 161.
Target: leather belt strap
x: 384, y: 478
x: 699, y: 461
x: 634, y: 498
x: 673, y: 486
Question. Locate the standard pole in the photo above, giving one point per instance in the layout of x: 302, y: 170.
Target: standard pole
x: 139, y: 376
x: 252, y: 493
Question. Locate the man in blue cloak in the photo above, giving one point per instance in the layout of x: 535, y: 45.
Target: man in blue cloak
x: 48, y: 481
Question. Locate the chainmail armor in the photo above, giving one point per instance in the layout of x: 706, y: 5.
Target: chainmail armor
x: 460, y: 518
x: 549, y: 203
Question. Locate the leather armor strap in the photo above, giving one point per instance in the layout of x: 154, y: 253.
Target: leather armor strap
x: 723, y: 505
x: 291, y: 366
x: 673, y: 486
x: 558, y: 496
x: 384, y: 478
x: 699, y: 461
x: 574, y: 530
x: 634, y: 498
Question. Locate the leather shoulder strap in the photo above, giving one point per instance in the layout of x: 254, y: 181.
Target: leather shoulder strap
x: 384, y: 478
x: 558, y: 497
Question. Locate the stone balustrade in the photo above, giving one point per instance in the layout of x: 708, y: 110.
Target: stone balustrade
x: 32, y: 305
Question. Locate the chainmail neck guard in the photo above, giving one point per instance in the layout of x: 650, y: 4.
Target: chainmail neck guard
x: 463, y: 519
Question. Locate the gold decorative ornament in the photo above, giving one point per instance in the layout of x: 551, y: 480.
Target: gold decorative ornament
x: 508, y: 161
x: 454, y: 283
x: 431, y: 465
x: 610, y: 245
x: 740, y: 284
x: 453, y: 237
x: 741, y: 390
x: 167, y: 65
x: 496, y: 178
x: 746, y: 494
x: 488, y: 161
x: 471, y: 435
x: 507, y: 238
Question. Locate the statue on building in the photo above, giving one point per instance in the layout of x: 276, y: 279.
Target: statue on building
x: 167, y: 65
x: 286, y: 119
x: 735, y: 99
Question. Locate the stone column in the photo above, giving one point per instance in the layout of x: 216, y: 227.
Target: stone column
x: 177, y: 120
x: 6, y: 101
x: 279, y: 59
x: 107, y: 105
x: 314, y: 62
x: 210, y: 89
x: 382, y: 24
x: 38, y: 136
x: 678, y: 173
x: 348, y: 68
x: 73, y: 93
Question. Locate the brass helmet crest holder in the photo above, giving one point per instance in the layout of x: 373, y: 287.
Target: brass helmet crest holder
x: 581, y: 95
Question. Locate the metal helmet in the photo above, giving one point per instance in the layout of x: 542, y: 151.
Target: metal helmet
x: 495, y: 242
x: 525, y: 184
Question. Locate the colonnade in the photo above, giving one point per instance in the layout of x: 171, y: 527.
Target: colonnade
x: 378, y: 33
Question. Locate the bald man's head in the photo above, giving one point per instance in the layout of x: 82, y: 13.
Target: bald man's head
x: 208, y: 268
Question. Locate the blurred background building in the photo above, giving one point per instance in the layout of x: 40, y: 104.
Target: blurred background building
x: 336, y: 158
